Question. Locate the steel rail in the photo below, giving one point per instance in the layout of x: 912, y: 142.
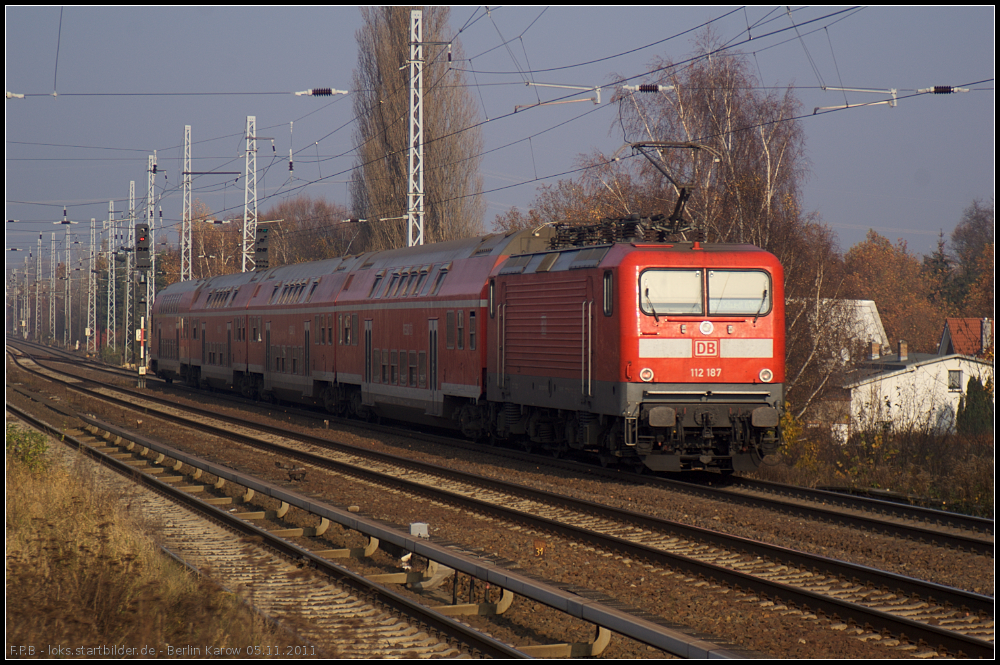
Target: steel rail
x: 376, y: 593
x: 950, y: 641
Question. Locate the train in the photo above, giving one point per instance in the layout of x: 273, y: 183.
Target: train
x: 611, y: 340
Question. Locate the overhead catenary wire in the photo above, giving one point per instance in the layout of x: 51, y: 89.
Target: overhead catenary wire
x: 347, y: 153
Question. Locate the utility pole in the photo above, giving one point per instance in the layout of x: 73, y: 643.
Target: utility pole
x: 52, y: 289
x: 128, y: 345
x: 250, y: 195
x: 69, y: 308
x: 92, y: 292
x: 415, y: 170
x: 112, y: 277
x: 38, y: 300
x: 25, y: 306
x: 150, y: 204
x: 186, y: 208
x: 67, y: 331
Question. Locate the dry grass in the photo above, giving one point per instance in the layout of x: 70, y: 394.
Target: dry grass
x: 951, y: 472
x: 82, y: 573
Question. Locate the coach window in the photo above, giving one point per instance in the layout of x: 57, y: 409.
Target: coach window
x: 427, y: 282
x: 411, y: 284
x: 739, y: 292
x: 670, y: 292
x: 378, y: 280
x: 420, y: 281
x: 609, y: 293
x: 413, y: 369
x: 461, y: 329
x: 472, y: 330
x: 391, y: 283
x: 450, y: 330
x: 399, y: 285
x: 492, y: 288
x: 442, y: 273
x: 394, y: 367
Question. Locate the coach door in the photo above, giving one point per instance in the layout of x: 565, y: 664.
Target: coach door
x: 268, y: 359
x: 366, y: 384
x: 436, y: 406
x: 306, y: 367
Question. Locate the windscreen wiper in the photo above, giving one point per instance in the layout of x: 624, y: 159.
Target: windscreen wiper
x: 763, y: 299
x: 653, y: 309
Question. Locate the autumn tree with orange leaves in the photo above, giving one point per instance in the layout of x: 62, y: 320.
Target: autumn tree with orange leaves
x: 892, y: 277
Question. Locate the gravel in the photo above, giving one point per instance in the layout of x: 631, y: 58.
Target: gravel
x: 724, y: 615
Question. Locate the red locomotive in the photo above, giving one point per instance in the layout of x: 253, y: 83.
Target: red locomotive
x: 665, y: 354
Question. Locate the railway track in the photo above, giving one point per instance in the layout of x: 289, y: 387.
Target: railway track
x: 916, y: 523
x: 621, y: 621
x: 334, y: 611
x: 740, y: 563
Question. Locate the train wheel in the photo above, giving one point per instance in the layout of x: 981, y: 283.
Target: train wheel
x: 330, y: 400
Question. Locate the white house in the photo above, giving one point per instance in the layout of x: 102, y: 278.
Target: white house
x: 865, y: 322
x: 912, y: 390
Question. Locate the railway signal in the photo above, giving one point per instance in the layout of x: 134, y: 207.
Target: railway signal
x: 260, y: 248
x: 142, y: 257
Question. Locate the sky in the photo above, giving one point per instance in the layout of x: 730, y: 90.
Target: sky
x: 907, y: 171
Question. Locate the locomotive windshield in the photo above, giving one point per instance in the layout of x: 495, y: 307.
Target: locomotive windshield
x: 671, y: 292
x: 739, y: 292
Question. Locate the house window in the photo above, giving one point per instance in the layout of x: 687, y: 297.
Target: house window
x: 955, y: 380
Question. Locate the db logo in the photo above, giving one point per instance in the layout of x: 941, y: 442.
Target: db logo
x: 706, y: 347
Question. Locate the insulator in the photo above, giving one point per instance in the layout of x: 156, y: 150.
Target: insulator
x: 322, y: 92
x: 942, y: 90
x: 649, y: 87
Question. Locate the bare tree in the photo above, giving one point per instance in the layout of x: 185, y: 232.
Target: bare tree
x: 309, y: 230
x: 453, y: 204
x: 747, y: 185
x: 746, y: 189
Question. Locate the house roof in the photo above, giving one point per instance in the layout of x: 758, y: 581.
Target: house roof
x: 888, y: 365
x: 966, y: 337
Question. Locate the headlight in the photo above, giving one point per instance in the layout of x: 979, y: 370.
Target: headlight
x: 646, y: 374
x: 766, y: 375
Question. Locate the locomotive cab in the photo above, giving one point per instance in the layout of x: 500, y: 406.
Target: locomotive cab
x: 704, y: 347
